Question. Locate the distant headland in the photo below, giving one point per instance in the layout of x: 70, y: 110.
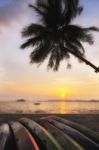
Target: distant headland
x: 20, y: 100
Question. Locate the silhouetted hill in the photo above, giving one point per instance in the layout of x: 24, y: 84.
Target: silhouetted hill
x: 21, y: 100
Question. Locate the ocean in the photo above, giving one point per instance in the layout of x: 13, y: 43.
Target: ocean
x: 49, y: 107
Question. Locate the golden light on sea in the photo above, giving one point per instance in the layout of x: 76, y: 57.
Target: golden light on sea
x: 63, y: 108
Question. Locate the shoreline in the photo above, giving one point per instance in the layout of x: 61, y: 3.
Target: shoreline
x: 88, y: 120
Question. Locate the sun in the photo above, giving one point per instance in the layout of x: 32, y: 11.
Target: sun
x: 62, y: 95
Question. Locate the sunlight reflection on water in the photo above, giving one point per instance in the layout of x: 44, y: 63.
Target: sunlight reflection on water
x: 50, y: 107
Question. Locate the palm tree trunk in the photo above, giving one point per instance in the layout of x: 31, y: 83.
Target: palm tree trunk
x: 84, y: 60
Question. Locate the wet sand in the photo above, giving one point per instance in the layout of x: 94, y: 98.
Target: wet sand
x: 89, y: 120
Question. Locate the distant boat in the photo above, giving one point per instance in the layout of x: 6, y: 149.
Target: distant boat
x: 21, y: 100
x: 36, y: 103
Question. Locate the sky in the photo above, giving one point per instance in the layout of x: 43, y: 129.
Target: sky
x: 20, y: 79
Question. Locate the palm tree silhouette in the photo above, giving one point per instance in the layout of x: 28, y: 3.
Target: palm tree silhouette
x: 55, y: 36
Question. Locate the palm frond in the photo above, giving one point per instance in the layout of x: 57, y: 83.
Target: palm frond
x: 73, y: 32
x: 40, y: 53
x: 33, y: 29
x: 56, y: 56
x: 79, y: 45
x: 54, y: 60
x: 38, y: 11
x: 74, y: 48
x: 91, y: 29
x: 72, y: 9
x: 31, y: 42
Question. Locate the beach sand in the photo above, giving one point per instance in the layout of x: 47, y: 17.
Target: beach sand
x: 88, y: 120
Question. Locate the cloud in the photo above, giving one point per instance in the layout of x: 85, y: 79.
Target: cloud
x: 12, y: 10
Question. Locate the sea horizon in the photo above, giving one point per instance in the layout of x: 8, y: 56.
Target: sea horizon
x: 51, y: 100
x: 22, y: 106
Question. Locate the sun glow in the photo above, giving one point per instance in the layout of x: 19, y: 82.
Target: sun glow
x: 63, y: 93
